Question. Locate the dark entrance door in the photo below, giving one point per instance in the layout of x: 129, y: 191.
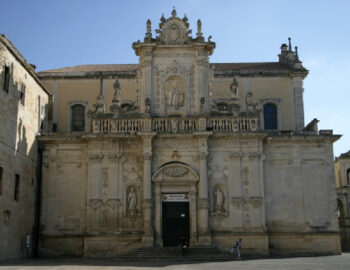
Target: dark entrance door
x: 176, y: 223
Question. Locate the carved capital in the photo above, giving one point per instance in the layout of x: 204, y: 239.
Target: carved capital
x: 114, y: 156
x: 202, y: 154
x: 147, y: 155
x: 95, y: 203
x: 203, y: 204
x: 254, y: 155
x: 237, y: 154
x: 96, y: 157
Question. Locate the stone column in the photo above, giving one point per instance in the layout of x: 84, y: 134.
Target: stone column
x: 204, y: 236
x: 147, y: 238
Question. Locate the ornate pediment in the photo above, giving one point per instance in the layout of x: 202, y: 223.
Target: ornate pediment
x: 173, y: 30
x: 175, y: 171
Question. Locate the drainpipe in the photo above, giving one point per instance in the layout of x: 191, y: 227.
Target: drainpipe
x: 36, y: 227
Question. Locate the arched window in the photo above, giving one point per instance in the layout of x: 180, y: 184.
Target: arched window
x: 270, y: 116
x: 78, y: 117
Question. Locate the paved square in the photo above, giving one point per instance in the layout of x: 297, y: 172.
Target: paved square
x: 341, y: 262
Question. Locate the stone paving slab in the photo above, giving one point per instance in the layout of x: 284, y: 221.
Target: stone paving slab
x: 341, y: 262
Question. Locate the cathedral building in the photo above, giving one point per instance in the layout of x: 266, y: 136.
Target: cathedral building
x: 143, y: 155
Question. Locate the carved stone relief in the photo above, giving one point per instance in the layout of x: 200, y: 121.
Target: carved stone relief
x: 218, y: 183
x: 177, y: 84
x: 132, y: 218
x: 175, y: 171
x: 132, y: 201
x: 175, y: 155
x: 175, y: 92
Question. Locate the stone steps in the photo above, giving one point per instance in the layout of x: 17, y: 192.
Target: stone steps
x: 175, y: 253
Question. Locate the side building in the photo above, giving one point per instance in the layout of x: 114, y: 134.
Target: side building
x: 342, y: 174
x: 23, y: 115
x: 175, y: 146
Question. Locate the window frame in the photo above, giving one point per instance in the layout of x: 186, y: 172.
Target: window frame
x: 16, y: 194
x: 22, y: 94
x: 6, y: 78
x: 278, y: 103
x: 71, y: 104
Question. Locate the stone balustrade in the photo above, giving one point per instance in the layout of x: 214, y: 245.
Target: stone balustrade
x: 175, y: 125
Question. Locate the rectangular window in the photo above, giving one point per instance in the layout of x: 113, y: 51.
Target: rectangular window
x: 17, y: 177
x: 22, y: 94
x: 78, y: 118
x: 6, y: 79
x: 1, y: 177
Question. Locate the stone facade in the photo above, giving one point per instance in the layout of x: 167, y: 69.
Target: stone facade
x: 342, y: 175
x: 23, y: 114
x: 225, y: 143
x: 177, y: 124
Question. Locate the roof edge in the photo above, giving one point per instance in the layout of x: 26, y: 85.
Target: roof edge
x: 20, y: 58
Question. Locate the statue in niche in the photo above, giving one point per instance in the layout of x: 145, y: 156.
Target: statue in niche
x: 219, y: 199
x: 175, y: 97
x: 132, y: 200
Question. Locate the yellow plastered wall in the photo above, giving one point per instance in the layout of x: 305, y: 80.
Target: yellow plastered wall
x: 263, y: 88
x: 68, y: 91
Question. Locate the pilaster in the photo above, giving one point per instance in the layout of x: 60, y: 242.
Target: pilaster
x: 204, y: 236
x: 147, y: 202
x: 298, y: 102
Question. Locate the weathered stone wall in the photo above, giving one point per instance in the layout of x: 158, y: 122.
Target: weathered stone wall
x: 20, y: 125
x: 300, y: 195
x: 261, y: 190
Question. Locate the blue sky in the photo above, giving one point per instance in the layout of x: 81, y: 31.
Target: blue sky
x: 53, y: 34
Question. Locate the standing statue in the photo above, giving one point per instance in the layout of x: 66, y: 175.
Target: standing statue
x: 250, y: 104
x: 199, y: 26
x: 234, y: 88
x: 219, y: 200
x: 176, y: 98
x: 132, y: 199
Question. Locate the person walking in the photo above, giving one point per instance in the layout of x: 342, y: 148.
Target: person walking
x: 237, y: 246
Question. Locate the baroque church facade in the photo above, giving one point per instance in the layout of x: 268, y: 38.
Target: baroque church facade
x: 142, y: 155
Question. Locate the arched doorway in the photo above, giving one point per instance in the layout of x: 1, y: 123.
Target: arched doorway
x: 175, y: 189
